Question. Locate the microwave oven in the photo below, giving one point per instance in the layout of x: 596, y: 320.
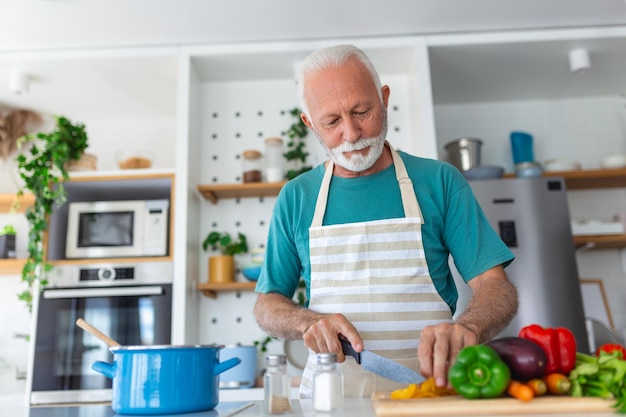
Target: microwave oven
x: 103, y: 229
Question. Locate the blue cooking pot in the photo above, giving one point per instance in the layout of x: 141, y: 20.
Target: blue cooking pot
x: 164, y: 379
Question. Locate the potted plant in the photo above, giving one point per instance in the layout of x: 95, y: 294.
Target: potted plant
x: 296, y: 154
x: 42, y: 168
x: 7, y: 242
x: 222, y: 267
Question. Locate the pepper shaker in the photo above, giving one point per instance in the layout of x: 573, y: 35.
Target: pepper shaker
x: 276, y: 385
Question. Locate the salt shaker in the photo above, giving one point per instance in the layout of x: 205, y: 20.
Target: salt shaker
x: 327, y: 383
x: 277, y: 385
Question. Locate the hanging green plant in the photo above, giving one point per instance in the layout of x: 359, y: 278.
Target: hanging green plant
x: 42, y: 168
x: 296, y: 146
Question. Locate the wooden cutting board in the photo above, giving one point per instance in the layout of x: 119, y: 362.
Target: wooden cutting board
x: 458, y: 406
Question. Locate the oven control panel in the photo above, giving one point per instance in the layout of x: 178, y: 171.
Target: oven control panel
x: 93, y: 275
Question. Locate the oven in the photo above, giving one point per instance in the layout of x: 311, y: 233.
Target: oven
x: 129, y: 302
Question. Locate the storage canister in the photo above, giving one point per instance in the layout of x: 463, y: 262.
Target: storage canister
x: 464, y: 153
x: 252, y: 166
x: 274, y: 160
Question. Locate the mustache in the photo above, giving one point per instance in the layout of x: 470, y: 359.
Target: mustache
x: 356, y: 146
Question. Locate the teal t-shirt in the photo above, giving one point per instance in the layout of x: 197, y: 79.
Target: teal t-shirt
x: 454, y: 223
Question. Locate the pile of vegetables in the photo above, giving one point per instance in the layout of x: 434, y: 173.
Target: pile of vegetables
x: 539, y: 361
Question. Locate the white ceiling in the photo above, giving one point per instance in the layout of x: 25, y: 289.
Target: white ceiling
x: 43, y: 24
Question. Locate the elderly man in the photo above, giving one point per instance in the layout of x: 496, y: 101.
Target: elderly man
x: 370, y: 232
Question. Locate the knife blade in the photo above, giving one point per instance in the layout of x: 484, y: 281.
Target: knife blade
x: 382, y: 366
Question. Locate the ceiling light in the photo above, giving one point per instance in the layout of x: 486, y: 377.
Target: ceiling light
x: 579, y: 61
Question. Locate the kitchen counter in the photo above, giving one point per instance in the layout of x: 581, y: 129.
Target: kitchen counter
x: 353, y: 407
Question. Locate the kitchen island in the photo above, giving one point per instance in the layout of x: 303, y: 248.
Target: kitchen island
x: 353, y: 407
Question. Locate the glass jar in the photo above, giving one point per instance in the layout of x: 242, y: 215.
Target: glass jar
x: 327, y: 383
x: 277, y: 385
x: 252, y: 166
x: 274, y: 160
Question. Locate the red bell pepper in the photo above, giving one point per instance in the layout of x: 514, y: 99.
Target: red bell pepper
x: 559, y: 344
x: 610, y: 348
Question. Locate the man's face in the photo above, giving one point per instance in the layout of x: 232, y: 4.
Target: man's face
x: 347, y: 114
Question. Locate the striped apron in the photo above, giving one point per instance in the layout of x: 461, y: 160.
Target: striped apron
x: 375, y: 274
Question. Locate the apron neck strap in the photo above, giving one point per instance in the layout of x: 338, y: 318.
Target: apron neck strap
x: 409, y: 200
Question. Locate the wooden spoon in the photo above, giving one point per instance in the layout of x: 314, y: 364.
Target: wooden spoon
x: 89, y: 328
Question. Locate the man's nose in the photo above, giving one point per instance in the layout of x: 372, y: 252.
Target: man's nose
x: 351, y: 130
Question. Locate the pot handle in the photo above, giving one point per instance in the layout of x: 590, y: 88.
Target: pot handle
x: 106, y: 369
x: 226, y: 365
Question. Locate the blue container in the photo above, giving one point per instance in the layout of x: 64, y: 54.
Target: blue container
x: 150, y: 380
x: 522, y: 147
x: 244, y: 374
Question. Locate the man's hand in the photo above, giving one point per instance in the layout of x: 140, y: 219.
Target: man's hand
x: 322, y: 335
x: 439, y: 345
x: 281, y: 317
x: 492, y: 306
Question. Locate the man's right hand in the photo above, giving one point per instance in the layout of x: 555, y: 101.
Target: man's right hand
x: 281, y: 317
x: 322, y: 335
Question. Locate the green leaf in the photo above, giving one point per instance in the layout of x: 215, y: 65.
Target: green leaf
x: 43, y: 169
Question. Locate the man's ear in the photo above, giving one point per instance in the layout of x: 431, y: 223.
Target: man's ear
x: 306, y: 120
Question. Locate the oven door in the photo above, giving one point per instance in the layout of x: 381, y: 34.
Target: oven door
x: 64, y: 353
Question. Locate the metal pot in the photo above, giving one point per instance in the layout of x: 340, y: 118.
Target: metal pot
x: 464, y: 153
x: 164, y: 379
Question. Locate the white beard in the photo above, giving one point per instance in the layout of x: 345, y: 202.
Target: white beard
x: 358, y: 162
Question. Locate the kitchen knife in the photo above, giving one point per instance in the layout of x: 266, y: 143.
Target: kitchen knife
x: 382, y: 366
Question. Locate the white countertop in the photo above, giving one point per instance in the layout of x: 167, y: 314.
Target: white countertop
x: 353, y: 407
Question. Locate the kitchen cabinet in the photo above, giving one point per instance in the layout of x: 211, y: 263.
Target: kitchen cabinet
x: 488, y: 85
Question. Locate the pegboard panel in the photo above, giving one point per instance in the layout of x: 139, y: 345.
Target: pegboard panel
x: 237, y: 116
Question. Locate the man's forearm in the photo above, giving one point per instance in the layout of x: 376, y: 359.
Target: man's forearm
x: 492, y: 307
x: 281, y: 317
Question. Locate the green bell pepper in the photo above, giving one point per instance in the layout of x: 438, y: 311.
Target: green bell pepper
x: 479, y: 372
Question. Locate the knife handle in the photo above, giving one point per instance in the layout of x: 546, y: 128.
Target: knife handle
x: 349, y: 350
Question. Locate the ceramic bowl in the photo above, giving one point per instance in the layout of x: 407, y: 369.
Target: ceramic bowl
x: 134, y: 159
x: 614, y: 161
x: 484, y: 172
x: 251, y: 271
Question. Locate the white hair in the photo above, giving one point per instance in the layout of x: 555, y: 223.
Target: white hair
x: 332, y: 56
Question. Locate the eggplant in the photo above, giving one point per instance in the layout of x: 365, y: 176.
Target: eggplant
x: 525, y: 358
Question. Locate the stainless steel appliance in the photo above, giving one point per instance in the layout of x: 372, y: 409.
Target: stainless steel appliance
x: 129, y: 302
x: 103, y: 229
x: 532, y: 217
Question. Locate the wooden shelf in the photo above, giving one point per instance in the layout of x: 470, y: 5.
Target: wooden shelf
x: 588, y: 179
x: 211, y: 290
x: 214, y: 192
x: 11, y: 266
x: 7, y: 200
x: 592, y: 179
x: 600, y: 242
